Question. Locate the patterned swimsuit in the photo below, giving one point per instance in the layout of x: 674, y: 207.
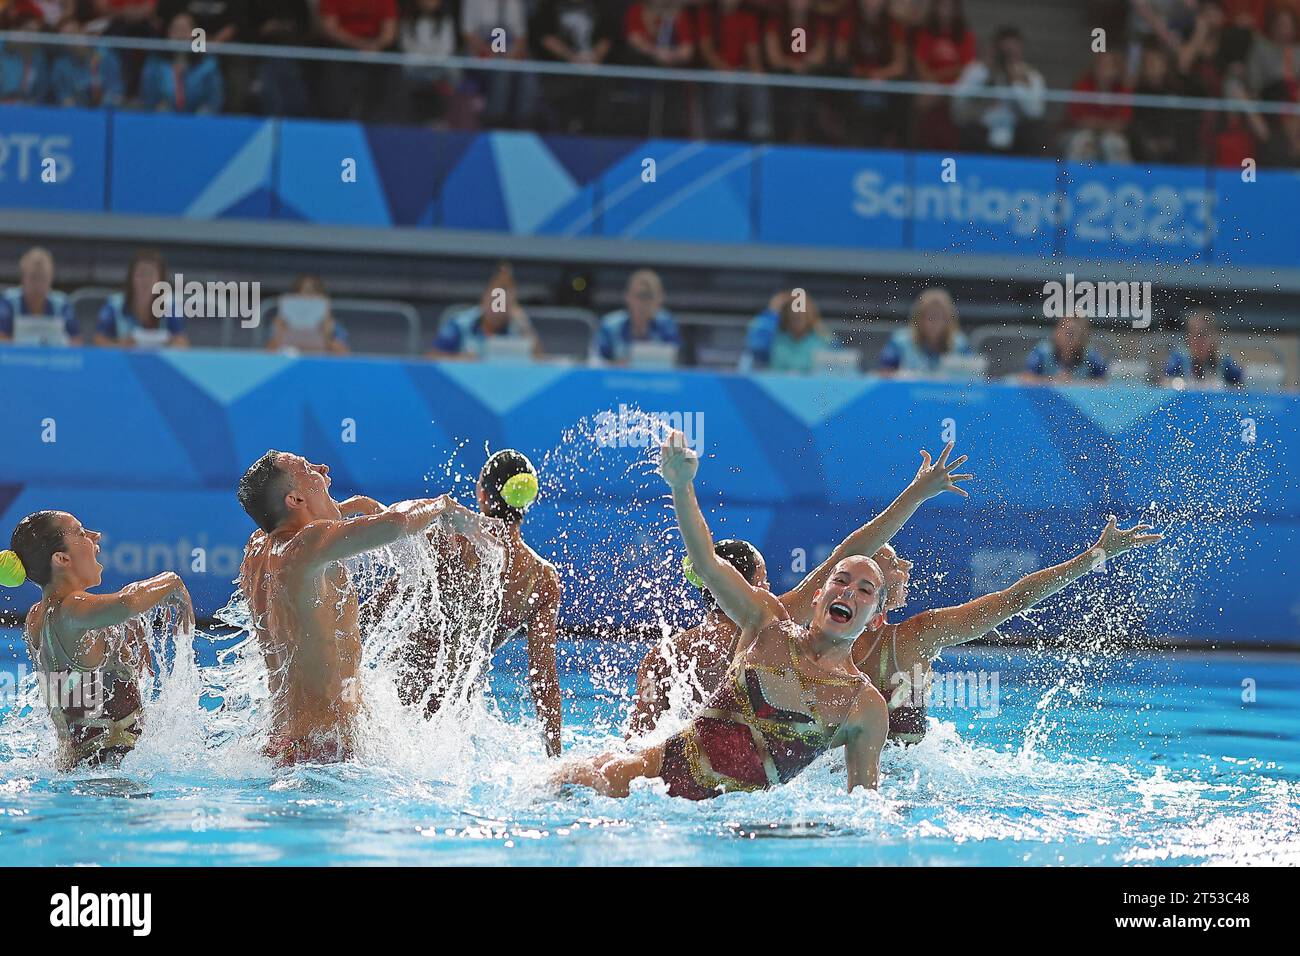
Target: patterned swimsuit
x: 739, y: 741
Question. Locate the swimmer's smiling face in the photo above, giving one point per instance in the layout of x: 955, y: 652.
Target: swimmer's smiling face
x: 79, y: 559
x: 851, y: 600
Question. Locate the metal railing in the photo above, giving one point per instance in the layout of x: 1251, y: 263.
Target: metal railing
x: 643, y: 73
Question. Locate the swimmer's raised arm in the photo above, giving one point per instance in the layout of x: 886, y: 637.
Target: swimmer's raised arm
x: 84, y: 612
x: 543, y: 675
x: 360, y: 505
x: 748, y: 606
x: 321, y: 542
x: 931, y: 480
x: 932, y: 631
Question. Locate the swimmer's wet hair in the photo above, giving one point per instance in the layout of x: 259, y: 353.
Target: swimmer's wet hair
x: 499, y: 469
x: 261, y: 491
x: 741, y: 555
x: 36, y: 540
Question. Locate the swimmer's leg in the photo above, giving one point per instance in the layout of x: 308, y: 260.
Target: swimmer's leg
x: 611, y: 775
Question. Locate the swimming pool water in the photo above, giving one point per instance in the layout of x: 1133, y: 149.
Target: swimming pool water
x: 1131, y: 759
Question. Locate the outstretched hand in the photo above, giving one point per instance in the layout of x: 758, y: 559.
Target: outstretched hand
x: 480, y: 530
x: 677, y: 463
x: 935, y: 478
x: 1116, y: 540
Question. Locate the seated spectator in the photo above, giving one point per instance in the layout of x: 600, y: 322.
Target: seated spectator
x: 465, y: 334
x: 1066, y: 356
x: 729, y: 41
x: 1158, y: 135
x: 218, y: 19
x: 358, y: 90
x: 24, y: 67
x: 933, y: 334
x: 1200, y: 363
x: 221, y: 21
x: 878, y: 51
x: 129, y: 318
x: 279, y: 85
x: 35, y: 295
x: 428, y: 28
x: 86, y: 75
x: 1097, y: 130
x: 1005, y: 123
x: 183, y: 82
x: 307, y: 326
x: 580, y: 32
x: 510, y: 98
x: 942, y: 47
x: 644, y: 320
x: 786, y: 336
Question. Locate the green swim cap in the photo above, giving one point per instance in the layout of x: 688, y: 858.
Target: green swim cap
x: 688, y: 569
x: 520, y: 490
x: 12, y: 572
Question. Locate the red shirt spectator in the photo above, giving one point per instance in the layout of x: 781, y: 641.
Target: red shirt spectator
x: 942, y: 56
x: 943, y: 44
x: 731, y: 33
x: 878, y: 42
x: 821, y: 32
x: 363, y: 19
x: 672, y: 40
x: 1092, y: 115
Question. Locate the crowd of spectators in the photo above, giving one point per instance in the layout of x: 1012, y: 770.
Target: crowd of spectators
x: 1245, y: 51
x: 1242, y: 50
x: 788, y: 336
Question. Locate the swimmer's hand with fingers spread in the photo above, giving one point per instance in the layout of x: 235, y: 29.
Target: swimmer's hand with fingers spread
x: 1115, y: 540
x: 935, y: 478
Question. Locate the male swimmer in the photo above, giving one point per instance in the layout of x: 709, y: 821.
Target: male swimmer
x: 530, y: 599
x: 793, y: 692
x: 705, y: 652
x: 88, y: 649
x: 897, y: 658
x: 303, y: 603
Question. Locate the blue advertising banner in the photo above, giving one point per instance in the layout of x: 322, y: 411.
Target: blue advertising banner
x: 525, y: 184
x: 52, y: 158
x: 149, y: 447
x: 196, y: 167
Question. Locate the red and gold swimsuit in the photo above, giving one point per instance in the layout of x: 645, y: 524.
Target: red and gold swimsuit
x: 741, y: 742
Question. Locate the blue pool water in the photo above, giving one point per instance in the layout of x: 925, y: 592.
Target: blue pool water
x: 1126, y: 759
